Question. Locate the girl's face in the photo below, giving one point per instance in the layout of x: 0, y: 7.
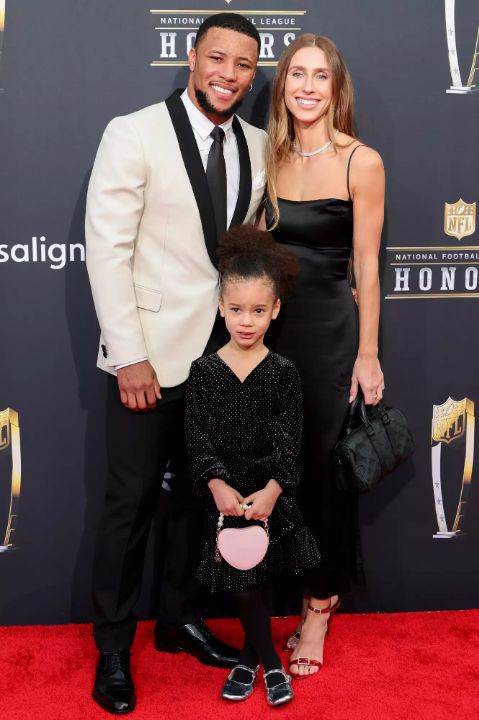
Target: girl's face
x: 308, y: 88
x: 248, y: 306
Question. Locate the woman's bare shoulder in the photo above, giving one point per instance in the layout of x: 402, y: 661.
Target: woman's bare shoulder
x: 366, y: 158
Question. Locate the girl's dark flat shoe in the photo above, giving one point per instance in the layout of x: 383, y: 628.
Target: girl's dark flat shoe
x: 280, y: 693
x: 235, y: 690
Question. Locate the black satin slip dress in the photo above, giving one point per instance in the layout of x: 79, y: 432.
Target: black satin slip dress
x: 318, y: 330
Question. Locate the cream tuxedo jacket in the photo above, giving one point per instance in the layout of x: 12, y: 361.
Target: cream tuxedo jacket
x: 150, y: 237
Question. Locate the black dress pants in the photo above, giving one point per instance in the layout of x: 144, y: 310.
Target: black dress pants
x: 139, y: 448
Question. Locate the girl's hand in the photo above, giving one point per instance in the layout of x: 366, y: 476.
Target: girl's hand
x: 262, y: 501
x: 227, y: 499
x: 368, y: 374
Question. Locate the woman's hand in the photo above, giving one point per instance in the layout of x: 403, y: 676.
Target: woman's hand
x: 227, y: 499
x: 367, y: 373
x: 262, y: 501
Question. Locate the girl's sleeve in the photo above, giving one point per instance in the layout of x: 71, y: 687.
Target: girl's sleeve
x: 204, y: 461
x: 289, y: 431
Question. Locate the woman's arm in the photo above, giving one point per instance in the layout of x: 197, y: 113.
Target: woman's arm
x: 367, y: 187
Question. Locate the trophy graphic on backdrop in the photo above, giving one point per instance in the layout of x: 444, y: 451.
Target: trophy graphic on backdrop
x: 457, y: 85
x: 10, y: 477
x: 451, y: 421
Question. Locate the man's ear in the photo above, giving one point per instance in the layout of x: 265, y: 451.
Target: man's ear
x: 192, y: 59
x: 276, y: 309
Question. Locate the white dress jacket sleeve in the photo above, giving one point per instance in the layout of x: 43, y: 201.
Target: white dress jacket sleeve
x: 115, y: 204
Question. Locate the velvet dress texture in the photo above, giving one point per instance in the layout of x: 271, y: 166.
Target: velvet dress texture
x: 318, y: 330
x: 247, y: 433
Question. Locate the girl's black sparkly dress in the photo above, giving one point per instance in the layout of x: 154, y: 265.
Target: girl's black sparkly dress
x: 247, y: 433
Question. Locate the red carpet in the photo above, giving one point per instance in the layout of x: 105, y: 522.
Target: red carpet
x: 415, y: 666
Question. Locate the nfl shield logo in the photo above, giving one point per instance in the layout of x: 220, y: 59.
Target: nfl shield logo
x: 459, y: 219
x: 449, y: 420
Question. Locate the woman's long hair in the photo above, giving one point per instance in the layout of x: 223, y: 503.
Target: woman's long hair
x: 280, y: 125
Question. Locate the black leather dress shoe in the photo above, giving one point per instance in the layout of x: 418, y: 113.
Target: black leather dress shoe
x: 197, y: 640
x: 113, y: 689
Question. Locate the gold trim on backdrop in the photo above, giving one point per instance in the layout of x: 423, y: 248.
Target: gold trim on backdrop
x: 194, y: 29
x: 451, y: 421
x: 238, y: 12
x: 10, y: 438
x: 433, y: 296
x: 426, y: 263
x: 184, y: 63
x: 457, y: 248
x: 475, y: 63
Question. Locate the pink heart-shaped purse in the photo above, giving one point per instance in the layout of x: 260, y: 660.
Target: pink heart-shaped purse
x: 242, y: 548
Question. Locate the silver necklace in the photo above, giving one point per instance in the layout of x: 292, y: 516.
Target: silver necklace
x: 313, y: 152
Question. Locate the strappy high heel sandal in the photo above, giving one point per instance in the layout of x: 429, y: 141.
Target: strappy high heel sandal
x: 312, y: 661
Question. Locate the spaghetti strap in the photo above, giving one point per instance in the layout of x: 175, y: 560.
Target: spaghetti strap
x: 347, y: 171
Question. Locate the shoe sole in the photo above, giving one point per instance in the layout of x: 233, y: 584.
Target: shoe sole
x: 232, y: 698
x: 175, y: 649
x: 281, y: 702
x: 104, y: 705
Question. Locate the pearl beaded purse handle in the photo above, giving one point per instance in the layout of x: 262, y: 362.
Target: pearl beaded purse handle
x: 243, y: 548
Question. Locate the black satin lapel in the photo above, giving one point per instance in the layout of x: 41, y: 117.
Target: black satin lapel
x: 196, y: 172
x: 244, y: 195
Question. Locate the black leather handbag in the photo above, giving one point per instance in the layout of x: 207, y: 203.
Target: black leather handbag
x: 376, y: 440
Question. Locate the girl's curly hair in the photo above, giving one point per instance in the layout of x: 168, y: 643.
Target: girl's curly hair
x: 246, y: 253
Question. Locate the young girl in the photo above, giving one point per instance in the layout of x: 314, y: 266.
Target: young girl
x: 243, y: 424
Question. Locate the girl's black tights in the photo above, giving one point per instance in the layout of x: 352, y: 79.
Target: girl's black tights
x: 254, y: 611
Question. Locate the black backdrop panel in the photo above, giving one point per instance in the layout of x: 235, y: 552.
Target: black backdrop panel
x: 66, y: 68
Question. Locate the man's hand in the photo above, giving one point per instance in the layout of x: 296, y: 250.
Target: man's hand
x: 227, y: 499
x: 263, y: 501
x: 139, y: 386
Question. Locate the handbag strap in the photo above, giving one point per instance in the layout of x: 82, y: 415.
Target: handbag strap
x: 221, y: 521
x: 358, y: 406
x: 357, y: 409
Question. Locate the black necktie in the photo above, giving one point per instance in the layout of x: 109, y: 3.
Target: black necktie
x: 216, y: 178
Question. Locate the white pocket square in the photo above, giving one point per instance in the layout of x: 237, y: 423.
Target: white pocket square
x: 259, y: 181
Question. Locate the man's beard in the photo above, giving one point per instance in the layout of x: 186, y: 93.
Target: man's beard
x: 205, y: 104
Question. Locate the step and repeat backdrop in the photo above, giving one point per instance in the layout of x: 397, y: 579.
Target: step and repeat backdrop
x: 68, y: 67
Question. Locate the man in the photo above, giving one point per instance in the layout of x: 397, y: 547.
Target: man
x: 167, y: 181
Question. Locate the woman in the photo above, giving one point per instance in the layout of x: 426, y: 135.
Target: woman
x: 326, y: 202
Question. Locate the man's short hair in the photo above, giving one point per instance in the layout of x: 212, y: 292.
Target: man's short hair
x: 228, y: 21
